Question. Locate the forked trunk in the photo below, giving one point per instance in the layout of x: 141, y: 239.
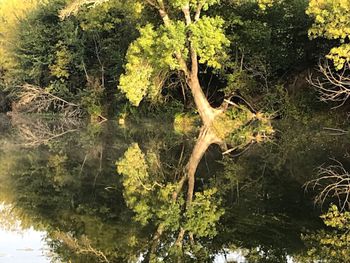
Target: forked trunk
x: 205, y: 110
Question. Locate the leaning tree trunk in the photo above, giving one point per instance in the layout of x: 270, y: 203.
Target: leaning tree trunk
x: 205, y: 110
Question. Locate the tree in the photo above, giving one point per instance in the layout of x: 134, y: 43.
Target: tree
x: 330, y: 245
x: 184, y: 40
x: 331, y: 21
x: 10, y: 14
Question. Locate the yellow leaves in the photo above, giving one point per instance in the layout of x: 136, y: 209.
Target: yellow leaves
x: 340, y: 55
x: 263, y: 4
x: 209, y: 40
x: 334, y: 218
x: 332, y: 21
x: 61, y: 67
x: 11, y: 11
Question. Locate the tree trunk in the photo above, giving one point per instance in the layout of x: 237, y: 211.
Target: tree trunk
x: 205, y: 110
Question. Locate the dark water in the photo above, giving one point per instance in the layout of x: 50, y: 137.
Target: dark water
x: 63, y: 199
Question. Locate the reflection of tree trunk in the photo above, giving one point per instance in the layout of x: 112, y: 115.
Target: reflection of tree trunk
x: 205, y: 139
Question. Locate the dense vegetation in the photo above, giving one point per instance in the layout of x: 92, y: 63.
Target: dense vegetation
x: 249, y: 48
x: 233, y: 65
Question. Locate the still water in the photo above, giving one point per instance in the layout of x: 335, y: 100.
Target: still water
x: 77, y: 192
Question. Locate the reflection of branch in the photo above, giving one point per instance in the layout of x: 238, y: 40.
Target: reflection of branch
x: 333, y: 181
x: 336, y: 131
x: 82, y: 246
x: 36, y: 131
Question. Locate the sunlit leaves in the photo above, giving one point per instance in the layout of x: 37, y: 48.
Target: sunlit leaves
x: 263, y: 4
x: 133, y: 166
x: 209, y: 40
x: 203, y: 214
x: 63, y: 58
x: 149, y: 58
x: 330, y: 246
x: 340, y: 55
x: 193, y: 3
x: 10, y: 14
x: 336, y: 219
x: 332, y: 21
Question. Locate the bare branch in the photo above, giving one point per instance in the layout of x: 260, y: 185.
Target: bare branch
x: 333, y: 182
x: 32, y: 131
x: 332, y: 86
x: 33, y: 99
x: 75, y: 5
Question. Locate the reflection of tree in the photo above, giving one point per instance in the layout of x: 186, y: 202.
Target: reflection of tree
x: 33, y: 132
x: 55, y: 187
x: 194, y: 215
x: 154, y: 197
x: 331, y: 245
x: 332, y: 182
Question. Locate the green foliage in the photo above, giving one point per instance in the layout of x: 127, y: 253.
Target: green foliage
x: 48, y: 50
x: 136, y: 179
x: 330, y: 246
x: 179, y: 4
x: 209, y: 40
x: 203, y: 214
x: 331, y: 20
x: 63, y: 58
x: 185, y: 123
x: 269, y: 43
x: 169, y: 211
x: 63, y: 55
x: 149, y: 58
x: 91, y: 98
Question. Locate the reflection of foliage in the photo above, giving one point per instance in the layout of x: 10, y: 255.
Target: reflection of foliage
x: 158, y: 200
x: 264, y: 211
x: 149, y: 199
x: 8, y: 219
x: 240, y: 127
x: 136, y: 182
x: 203, y: 214
x: 330, y: 246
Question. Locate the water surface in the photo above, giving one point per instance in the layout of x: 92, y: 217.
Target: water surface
x: 64, y: 200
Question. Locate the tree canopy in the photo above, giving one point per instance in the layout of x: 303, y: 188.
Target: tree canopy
x: 332, y: 21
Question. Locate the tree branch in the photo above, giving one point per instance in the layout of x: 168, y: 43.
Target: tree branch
x: 198, y: 11
x: 186, y: 12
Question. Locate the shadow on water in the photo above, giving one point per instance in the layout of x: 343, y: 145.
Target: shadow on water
x: 144, y: 193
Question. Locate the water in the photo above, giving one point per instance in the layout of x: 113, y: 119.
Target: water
x: 63, y: 200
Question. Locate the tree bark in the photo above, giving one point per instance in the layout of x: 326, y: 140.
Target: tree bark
x: 205, y: 110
